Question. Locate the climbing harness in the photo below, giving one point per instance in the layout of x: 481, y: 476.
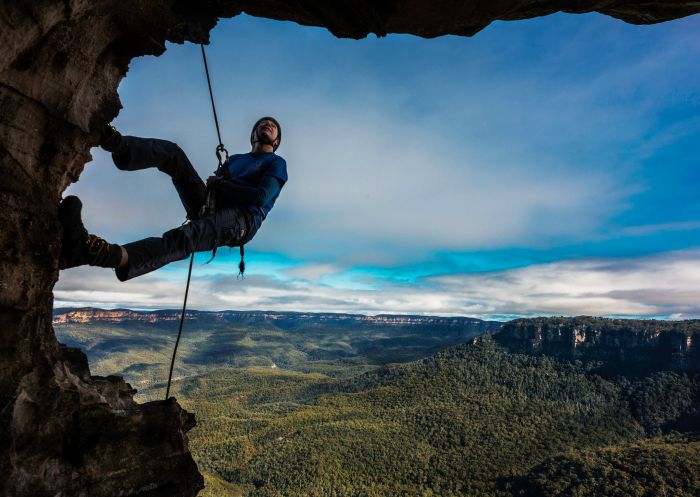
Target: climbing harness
x: 209, y: 206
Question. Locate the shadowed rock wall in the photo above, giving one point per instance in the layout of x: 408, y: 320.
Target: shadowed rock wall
x: 61, y: 430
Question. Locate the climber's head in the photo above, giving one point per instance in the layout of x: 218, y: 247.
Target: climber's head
x: 266, y: 133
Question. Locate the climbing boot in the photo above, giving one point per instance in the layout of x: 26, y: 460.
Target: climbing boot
x: 79, y: 247
x: 111, y: 140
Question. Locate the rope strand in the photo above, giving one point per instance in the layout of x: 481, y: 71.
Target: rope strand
x: 179, y: 332
x: 211, y: 96
x: 209, y: 202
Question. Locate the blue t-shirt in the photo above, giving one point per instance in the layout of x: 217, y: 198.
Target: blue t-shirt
x: 248, y: 169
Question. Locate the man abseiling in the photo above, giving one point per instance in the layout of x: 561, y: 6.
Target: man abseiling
x: 244, y: 196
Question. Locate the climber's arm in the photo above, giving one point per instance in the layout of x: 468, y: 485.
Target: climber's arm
x: 229, y: 193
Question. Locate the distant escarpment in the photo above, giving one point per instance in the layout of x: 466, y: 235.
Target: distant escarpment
x: 624, y: 346
x: 88, y: 315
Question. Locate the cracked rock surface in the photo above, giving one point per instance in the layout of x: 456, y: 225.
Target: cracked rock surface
x: 63, y: 431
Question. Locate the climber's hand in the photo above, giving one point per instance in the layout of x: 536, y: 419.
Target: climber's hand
x: 213, y: 180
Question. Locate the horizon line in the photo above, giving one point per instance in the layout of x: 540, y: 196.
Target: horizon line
x: 262, y: 311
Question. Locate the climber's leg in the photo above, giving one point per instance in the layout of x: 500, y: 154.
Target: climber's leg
x: 232, y: 227
x: 131, y: 153
x: 79, y: 247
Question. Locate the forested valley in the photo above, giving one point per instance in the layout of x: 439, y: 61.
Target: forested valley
x: 288, y: 417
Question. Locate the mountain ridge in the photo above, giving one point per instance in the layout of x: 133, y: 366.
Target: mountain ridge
x: 66, y: 315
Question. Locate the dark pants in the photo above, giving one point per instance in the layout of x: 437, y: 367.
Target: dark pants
x: 231, y: 226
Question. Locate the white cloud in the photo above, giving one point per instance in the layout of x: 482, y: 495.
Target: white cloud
x: 661, y: 285
x: 313, y: 271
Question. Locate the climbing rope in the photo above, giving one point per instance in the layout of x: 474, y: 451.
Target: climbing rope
x: 220, y: 147
x: 179, y: 332
x: 207, y: 207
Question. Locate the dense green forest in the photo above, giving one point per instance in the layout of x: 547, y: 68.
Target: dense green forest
x: 665, y: 466
x: 473, y: 419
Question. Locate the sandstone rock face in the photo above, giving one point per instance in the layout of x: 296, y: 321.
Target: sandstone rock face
x: 624, y: 346
x: 63, y: 432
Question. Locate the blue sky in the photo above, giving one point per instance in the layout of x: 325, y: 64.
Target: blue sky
x: 546, y: 166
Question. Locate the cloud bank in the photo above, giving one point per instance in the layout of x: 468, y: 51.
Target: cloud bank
x: 666, y: 285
